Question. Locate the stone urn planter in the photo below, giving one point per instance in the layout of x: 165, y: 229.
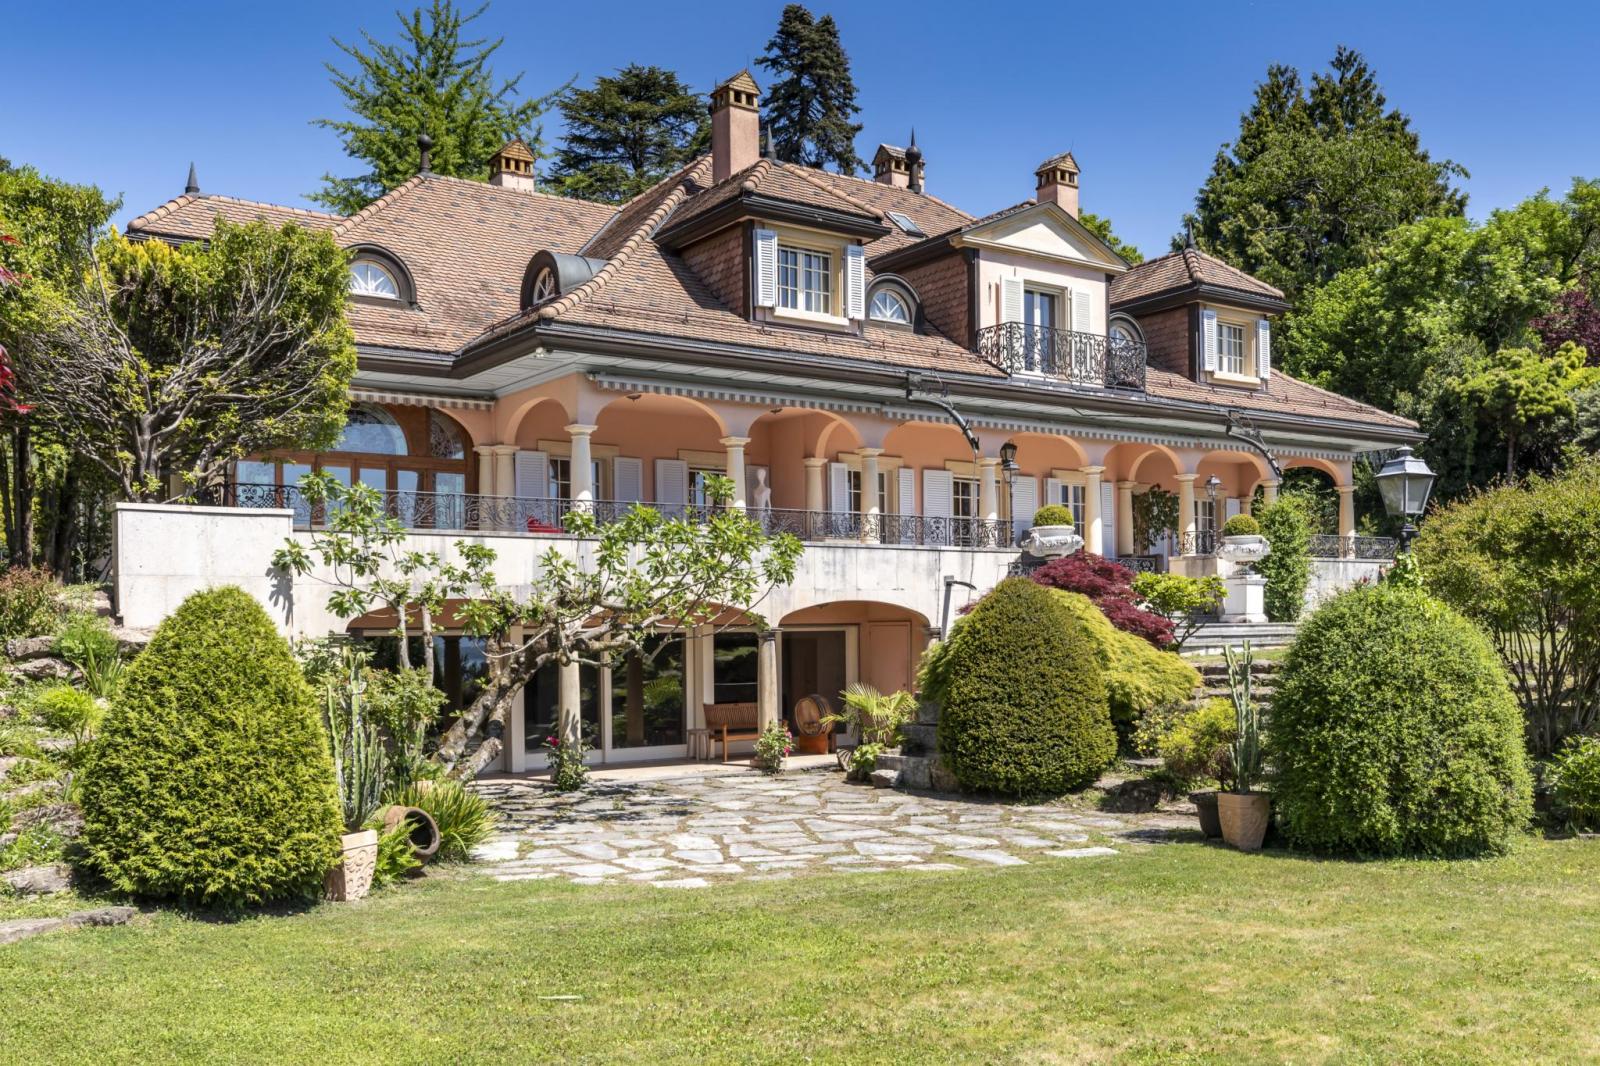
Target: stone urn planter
x: 352, y: 878
x: 1244, y: 592
x: 1244, y: 551
x: 1244, y: 817
x: 1205, y: 804
x: 1051, y: 542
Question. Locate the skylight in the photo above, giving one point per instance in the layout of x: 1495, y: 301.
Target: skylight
x: 905, y: 223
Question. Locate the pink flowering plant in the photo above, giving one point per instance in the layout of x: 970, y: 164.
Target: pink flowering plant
x: 568, y: 771
x: 774, y: 745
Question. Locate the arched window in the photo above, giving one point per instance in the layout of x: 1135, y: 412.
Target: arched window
x: 370, y: 278
x: 544, y: 286
x: 889, y: 306
x: 444, y: 437
x: 1124, y: 331
x: 371, y: 429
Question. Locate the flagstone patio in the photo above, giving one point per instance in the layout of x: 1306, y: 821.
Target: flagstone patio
x: 691, y: 832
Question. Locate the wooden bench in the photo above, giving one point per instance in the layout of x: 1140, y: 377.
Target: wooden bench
x: 729, y: 722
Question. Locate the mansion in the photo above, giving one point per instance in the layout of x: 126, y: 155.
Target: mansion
x: 899, y: 383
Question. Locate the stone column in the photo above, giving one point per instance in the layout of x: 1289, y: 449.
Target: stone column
x: 735, y: 447
x: 1347, y: 520
x: 569, y: 704
x: 767, y: 709
x: 505, y: 482
x: 814, y: 469
x: 1186, y: 517
x: 1125, y: 518
x: 583, y: 486
x: 871, y: 513
x: 1269, y: 493
x: 515, y: 736
x: 485, y: 469
x: 1094, y: 539
x: 988, y: 494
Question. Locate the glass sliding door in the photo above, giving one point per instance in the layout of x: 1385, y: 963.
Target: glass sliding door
x: 649, y: 698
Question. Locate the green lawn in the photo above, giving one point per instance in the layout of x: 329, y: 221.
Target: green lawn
x: 1181, y: 953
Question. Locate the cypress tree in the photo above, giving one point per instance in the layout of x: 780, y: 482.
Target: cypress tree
x: 627, y: 133
x: 433, y: 82
x: 809, y: 108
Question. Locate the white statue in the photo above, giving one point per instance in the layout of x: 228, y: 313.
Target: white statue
x: 761, y: 494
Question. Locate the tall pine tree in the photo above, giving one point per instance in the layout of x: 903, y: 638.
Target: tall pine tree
x: 1316, y: 179
x: 430, y: 81
x: 627, y: 133
x: 810, y: 106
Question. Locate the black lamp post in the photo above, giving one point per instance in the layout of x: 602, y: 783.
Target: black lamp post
x: 1008, y: 470
x: 1213, y: 491
x: 1405, y: 483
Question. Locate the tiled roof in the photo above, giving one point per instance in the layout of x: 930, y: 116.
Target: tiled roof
x: 1064, y: 159
x: 1182, y: 270
x: 192, y: 216
x: 467, y: 245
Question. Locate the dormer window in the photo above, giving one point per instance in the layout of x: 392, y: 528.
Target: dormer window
x: 805, y: 280
x: 1237, y: 348
x: 369, y: 278
x: 544, y: 286
x: 1230, y: 348
x: 889, y: 306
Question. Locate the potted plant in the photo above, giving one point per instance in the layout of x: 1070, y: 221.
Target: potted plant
x: 1242, y: 542
x: 1053, y: 533
x: 360, y: 768
x: 1244, y: 590
x: 1200, y: 745
x: 875, y: 718
x: 773, y: 747
x: 1242, y: 811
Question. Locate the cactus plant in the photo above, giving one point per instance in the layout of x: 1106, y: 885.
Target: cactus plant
x: 360, y: 763
x: 1246, y: 746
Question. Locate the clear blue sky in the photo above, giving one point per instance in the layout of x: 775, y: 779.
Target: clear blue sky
x: 125, y: 95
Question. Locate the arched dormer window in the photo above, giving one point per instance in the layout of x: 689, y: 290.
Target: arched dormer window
x: 544, y: 286
x: 377, y: 276
x: 549, y: 274
x: 1123, y: 331
x: 892, y: 303
x: 370, y: 429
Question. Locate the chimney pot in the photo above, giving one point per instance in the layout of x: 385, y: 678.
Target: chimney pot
x: 1058, y: 182
x: 735, y: 126
x: 512, y: 167
x: 889, y: 167
x: 425, y: 147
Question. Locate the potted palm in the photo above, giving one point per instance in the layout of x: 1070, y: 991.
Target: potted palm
x: 1243, y: 811
x: 875, y: 718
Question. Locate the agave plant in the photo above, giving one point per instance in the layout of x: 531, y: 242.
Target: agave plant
x: 1246, y: 748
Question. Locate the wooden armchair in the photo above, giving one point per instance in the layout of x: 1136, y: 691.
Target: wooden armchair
x: 729, y: 722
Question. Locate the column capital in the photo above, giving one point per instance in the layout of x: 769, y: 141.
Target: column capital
x: 1344, y: 490
x: 734, y: 442
x: 484, y: 449
x: 1128, y: 485
x: 816, y: 461
x: 768, y: 635
x: 579, y: 429
x: 1274, y: 482
x: 1184, y: 478
x: 1091, y: 470
x: 504, y: 449
x: 869, y: 453
x: 991, y: 463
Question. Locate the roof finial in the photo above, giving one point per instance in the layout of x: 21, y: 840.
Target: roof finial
x: 1188, y: 230
x: 425, y: 144
x: 193, y: 187
x: 771, y: 145
x: 914, y: 163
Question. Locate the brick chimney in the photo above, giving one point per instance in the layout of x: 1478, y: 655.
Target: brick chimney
x: 735, y: 126
x: 1058, y: 182
x: 512, y: 167
x: 889, y: 167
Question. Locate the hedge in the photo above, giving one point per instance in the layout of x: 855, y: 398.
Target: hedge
x: 210, y: 783
x: 1023, y: 695
x: 1394, y: 731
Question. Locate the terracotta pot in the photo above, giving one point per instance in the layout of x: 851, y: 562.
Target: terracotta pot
x: 352, y: 878
x: 1244, y: 818
x: 424, y: 833
x: 1205, y: 803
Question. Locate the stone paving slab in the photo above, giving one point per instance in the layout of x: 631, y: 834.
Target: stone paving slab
x: 695, y: 833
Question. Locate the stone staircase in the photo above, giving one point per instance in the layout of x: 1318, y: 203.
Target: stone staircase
x: 1263, y: 680
x: 1213, y: 637
x: 916, y: 763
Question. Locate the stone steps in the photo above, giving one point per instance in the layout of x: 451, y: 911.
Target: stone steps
x: 1212, y: 638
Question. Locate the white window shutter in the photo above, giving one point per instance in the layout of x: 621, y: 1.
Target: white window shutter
x: 937, y: 489
x: 1024, y: 502
x: 839, y: 488
x: 766, y: 268
x: 672, y: 482
x: 855, y: 282
x: 1264, y: 348
x: 1011, y: 299
x: 627, y: 476
x: 532, y: 475
x: 1054, y: 490
x: 906, y: 504
x: 1108, y: 520
x: 1082, y: 311
x: 1208, y: 338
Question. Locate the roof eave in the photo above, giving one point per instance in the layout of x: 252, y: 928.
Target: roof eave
x: 1191, y: 293
x: 755, y: 205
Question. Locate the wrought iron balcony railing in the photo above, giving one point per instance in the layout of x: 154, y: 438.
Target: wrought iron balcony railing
x: 1062, y: 354
x: 1369, y: 549
x: 462, y: 513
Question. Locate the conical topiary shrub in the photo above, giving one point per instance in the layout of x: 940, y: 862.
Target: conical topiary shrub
x: 1394, y: 731
x: 1024, y: 701
x: 210, y: 782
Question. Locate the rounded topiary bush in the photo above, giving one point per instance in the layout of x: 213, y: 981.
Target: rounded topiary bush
x: 1024, y: 702
x: 210, y: 782
x: 1241, y: 525
x: 1053, y: 514
x: 1394, y: 731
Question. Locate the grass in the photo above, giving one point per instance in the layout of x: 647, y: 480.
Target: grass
x: 1179, y: 953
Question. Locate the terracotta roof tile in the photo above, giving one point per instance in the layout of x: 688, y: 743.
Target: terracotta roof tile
x: 192, y: 216
x: 1284, y: 396
x: 1181, y: 270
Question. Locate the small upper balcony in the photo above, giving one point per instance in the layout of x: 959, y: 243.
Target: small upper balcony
x: 1023, y: 349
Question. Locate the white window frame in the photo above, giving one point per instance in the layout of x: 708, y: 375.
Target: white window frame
x: 897, y: 301
x: 364, y: 275
x: 806, y: 280
x: 1232, y: 349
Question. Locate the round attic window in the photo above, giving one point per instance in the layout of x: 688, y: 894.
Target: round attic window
x: 890, y: 306
x: 544, y: 286
x: 368, y: 278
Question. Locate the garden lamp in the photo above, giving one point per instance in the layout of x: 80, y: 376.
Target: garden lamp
x: 1405, y: 482
x: 1213, y: 488
x: 1008, y: 470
